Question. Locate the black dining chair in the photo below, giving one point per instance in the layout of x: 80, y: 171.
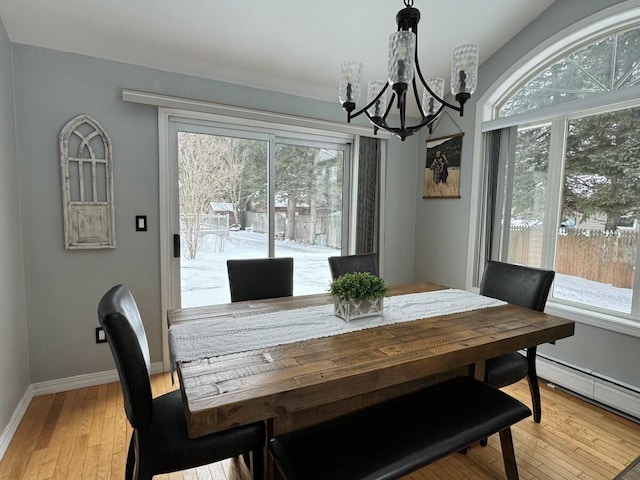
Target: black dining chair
x: 160, y: 442
x: 260, y: 278
x: 527, y: 287
x: 362, y: 262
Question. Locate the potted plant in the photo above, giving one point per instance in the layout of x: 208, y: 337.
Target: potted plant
x: 358, y: 295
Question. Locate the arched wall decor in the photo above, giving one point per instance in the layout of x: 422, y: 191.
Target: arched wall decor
x: 86, y: 166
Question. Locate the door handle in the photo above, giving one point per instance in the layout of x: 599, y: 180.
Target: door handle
x: 176, y: 246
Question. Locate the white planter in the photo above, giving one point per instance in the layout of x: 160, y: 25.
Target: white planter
x: 353, y: 309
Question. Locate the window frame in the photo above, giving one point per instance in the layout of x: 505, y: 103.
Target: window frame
x: 606, y: 22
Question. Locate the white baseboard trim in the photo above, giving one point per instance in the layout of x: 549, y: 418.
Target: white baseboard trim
x: 16, y: 418
x: 56, y: 386
x: 83, y: 381
x: 611, y: 393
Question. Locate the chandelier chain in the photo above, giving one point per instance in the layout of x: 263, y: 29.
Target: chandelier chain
x: 408, y: 3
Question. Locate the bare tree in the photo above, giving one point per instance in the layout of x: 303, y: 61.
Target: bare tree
x: 245, y: 175
x: 199, y: 183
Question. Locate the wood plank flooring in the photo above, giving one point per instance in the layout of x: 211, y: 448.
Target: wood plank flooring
x: 84, y: 434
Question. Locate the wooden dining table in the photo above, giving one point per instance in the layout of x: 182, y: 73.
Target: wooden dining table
x: 293, y: 385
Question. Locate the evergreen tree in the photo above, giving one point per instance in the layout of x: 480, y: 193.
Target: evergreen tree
x: 602, y: 166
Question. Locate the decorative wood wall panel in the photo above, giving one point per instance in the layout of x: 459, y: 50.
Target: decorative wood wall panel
x: 86, y: 166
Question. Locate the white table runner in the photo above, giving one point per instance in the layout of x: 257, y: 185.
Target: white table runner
x: 222, y: 336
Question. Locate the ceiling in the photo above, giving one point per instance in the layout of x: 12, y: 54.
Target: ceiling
x: 282, y: 45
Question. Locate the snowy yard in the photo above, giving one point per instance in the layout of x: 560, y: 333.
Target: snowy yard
x: 204, y: 280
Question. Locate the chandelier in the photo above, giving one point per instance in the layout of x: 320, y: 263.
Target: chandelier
x: 404, y: 73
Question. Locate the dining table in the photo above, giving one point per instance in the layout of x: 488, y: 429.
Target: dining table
x: 292, y: 363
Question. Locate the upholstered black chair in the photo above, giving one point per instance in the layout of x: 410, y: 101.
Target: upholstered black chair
x: 364, y: 262
x: 160, y: 442
x: 527, y: 287
x: 259, y: 278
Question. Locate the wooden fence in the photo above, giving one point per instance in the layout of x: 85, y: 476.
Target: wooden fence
x: 591, y: 254
x: 328, y: 228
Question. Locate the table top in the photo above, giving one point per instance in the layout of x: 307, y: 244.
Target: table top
x: 293, y: 380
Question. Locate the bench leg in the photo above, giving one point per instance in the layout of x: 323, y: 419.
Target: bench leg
x: 509, y: 456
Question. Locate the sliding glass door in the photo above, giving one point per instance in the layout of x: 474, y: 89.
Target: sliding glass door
x: 251, y: 194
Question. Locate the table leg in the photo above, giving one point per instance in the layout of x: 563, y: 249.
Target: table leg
x: 271, y: 469
x: 477, y: 370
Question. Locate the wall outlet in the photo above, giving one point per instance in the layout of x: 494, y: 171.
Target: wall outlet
x: 100, y: 335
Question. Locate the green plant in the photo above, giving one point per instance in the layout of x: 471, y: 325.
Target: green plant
x: 358, y: 286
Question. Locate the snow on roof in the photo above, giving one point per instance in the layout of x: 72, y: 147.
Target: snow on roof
x: 221, y: 206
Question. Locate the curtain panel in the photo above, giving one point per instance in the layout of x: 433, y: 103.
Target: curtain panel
x: 368, y: 201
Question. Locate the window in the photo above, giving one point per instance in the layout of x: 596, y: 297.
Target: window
x: 565, y: 188
x: 608, y: 64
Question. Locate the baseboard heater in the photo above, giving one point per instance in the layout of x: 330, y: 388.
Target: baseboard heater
x: 591, y: 386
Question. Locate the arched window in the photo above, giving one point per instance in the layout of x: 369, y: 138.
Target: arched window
x: 561, y: 182
x: 607, y: 64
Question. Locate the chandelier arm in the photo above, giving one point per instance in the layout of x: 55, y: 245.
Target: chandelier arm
x: 417, y: 67
x: 370, y: 104
x: 380, y: 122
x: 405, y: 131
x: 389, y: 106
x: 417, y: 97
x: 457, y: 108
x: 403, y: 108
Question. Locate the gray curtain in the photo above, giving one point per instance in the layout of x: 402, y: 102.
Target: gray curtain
x: 498, y: 149
x: 493, y: 166
x: 368, y: 196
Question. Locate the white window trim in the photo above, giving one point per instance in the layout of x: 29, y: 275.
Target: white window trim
x: 620, y: 16
x: 595, y: 319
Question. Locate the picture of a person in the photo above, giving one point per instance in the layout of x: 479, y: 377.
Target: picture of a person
x: 436, y: 168
x: 444, y: 166
x: 440, y: 168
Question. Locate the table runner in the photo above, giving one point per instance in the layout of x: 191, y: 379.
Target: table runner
x: 222, y: 336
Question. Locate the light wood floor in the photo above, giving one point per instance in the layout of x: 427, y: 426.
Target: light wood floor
x: 83, y: 434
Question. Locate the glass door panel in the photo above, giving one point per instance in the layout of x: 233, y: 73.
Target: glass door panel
x: 222, y: 190
x: 309, y: 211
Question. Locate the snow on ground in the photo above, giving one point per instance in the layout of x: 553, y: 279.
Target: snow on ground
x: 205, y: 282
x: 579, y: 290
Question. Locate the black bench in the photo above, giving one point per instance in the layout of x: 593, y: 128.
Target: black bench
x: 396, y: 437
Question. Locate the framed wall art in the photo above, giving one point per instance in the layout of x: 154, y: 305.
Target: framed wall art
x: 86, y: 165
x: 442, y: 167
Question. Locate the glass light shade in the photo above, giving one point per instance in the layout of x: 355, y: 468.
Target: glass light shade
x: 402, y: 52
x: 378, y: 108
x: 464, y: 69
x: 349, y: 86
x: 430, y: 104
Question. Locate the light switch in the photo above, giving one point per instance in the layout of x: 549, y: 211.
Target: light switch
x: 141, y: 223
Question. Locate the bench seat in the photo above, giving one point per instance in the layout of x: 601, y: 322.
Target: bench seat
x: 396, y: 437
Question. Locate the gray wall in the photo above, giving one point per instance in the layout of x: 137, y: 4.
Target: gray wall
x: 442, y: 226
x: 14, y: 366
x: 64, y: 287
